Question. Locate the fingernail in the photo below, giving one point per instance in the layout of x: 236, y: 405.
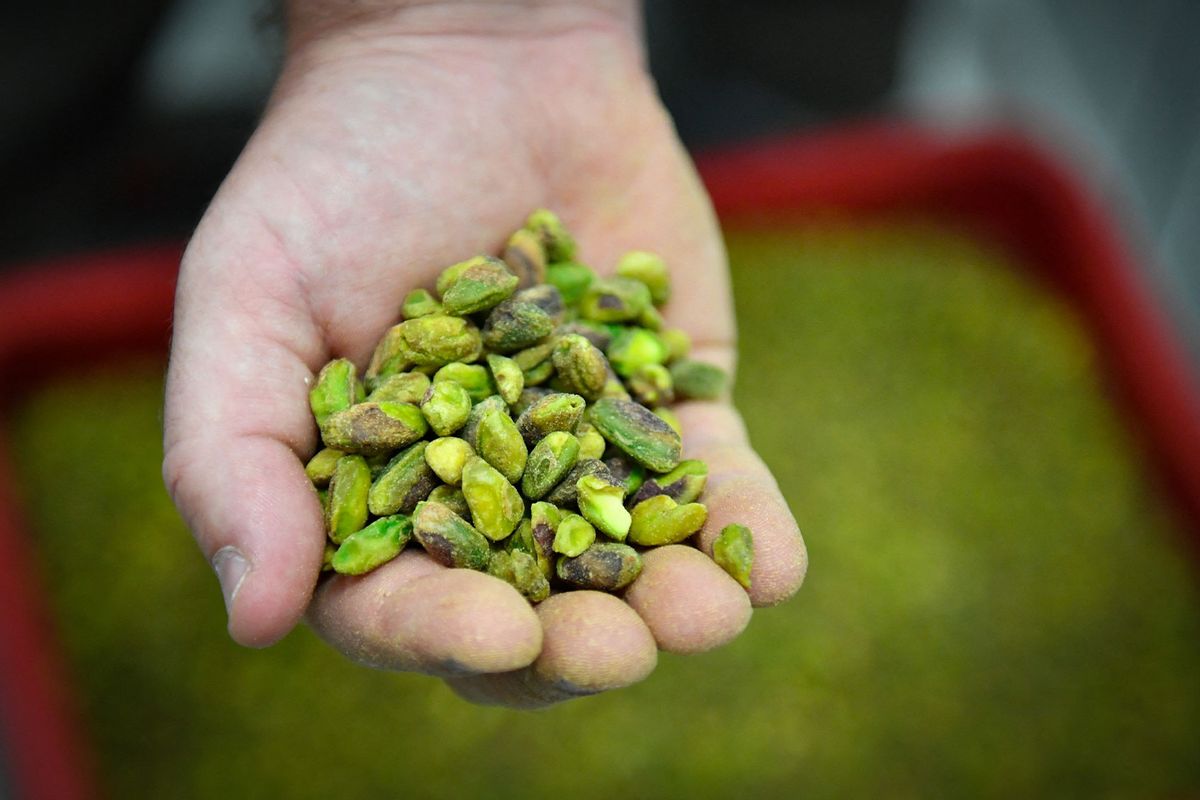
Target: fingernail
x: 231, y: 568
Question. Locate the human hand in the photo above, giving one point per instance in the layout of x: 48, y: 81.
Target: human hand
x: 397, y: 142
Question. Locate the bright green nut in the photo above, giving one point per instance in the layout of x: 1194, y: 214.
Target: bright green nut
x: 733, y: 551
x: 677, y: 342
x: 327, y: 556
x: 521, y: 571
x: 685, y: 483
x: 549, y: 462
x: 334, y: 389
x: 373, y: 546
x: 526, y: 257
x: 319, y: 468
x: 496, y: 506
x: 438, y: 339
x: 507, y: 376
x: 347, y: 510
x: 531, y: 357
x: 637, y: 431
x: 470, y: 431
x: 651, y: 385
x: 605, y: 566
x: 405, y: 387
x: 420, y: 303
x: 373, y: 428
x: 634, y: 348
x: 566, y: 494
x: 651, y: 319
x: 448, y: 538
x: 390, y: 357
x: 660, y: 520
x: 582, y: 369
x: 447, y: 277
x: 539, y: 374
x: 591, y: 443
x: 475, y: 378
x: 480, y: 286
x: 603, y: 505
x: 452, y: 498
x: 651, y: 270
x: 670, y: 417
x: 556, y: 240
x: 697, y: 380
x: 614, y: 300
x: 404, y: 482
x: 447, y: 456
x: 446, y: 407
x: 573, y: 535
x: 500, y: 444
x: 558, y: 411
x: 515, y: 325
x: 571, y: 279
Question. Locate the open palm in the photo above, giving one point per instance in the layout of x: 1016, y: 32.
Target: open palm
x: 382, y: 158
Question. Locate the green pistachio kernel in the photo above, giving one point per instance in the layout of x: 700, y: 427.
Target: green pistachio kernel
x: 447, y: 456
x: 334, y: 390
x: 451, y: 497
x: 475, y: 378
x: 546, y: 297
x: 405, y: 387
x: 420, y: 303
x: 446, y: 407
x: 682, y: 484
x: 549, y: 462
x: 531, y: 357
x: 404, y: 482
x: 529, y: 396
x: 539, y: 374
x: 557, y: 411
x: 582, y: 369
x: 521, y: 571
x: 373, y: 546
x: 438, y: 339
x: 556, y: 241
x: 697, y: 380
x: 733, y: 551
x: 496, y: 506
x: 448, y: 538
x: 571, y: 279
x: 480, y: 286
x: 651, y: 270
x: 373, y: 428
x: 634, y: 348
x: 522, y: 540
x: 500, y: 444
x: 348, y: 489
x: 651, y: 319
x: 660, y: 520
x: 605, y: 566
x: 677, y: 342
x: 543, y: 524
x: 447, y: 277
x: 602, y: 504
x: 637, y: 431
x: 507, y: 376
x: 469, y: 432
x: 567, y: 492
x: 515, y: 325
x: 319, y: 468
x: 573, y: 535
x: 591, y: 443
x: 651, y: 385
x: 526, y: 257
x: 614, y: 300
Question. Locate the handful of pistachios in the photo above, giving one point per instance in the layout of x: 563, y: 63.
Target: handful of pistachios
x: 518, y: 422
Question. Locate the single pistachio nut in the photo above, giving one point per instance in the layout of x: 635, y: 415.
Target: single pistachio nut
x: 496, y: 506
x: 521, y: 571
x: 670, y: 417
x: 697, y: 380
x: 548, y: 298
x: 614, y: 300
x: 507, y: 376
x: 439, y: 339
x: 334, y: 390
x: 651, y: 319
x: 636, y: 430
x: 515, y: 325
x: 522, y: 538
x: 348, y: 489
x: 591, y: 443
x: 420, y: 303
x: 327, y: 556
x: 733, y: 550
x: 558, y: 411
x: 446, y: 407
x: 603, y: 505
x: 599, y: 335
x: 539, y: 374
x: 319, y: 468
x: 475, y: 378
x: 447, y: 456
x: 549, y: 462
x: 479, y: 287
x: 634, y: 348
x: 533, y: 356
x: 605, y: 566
x: 373, y: 428
x: 390, y: 357
x: 573, y: 535
x: 677, y: 342
x: 451, y: 497
x: 582, y: 368
x: 470, y: 430
x: 627, y: 473
x: 651, y: 385
x: 448, y: 538
x: 660, y: 521
x: 651, y: 270
x: 529, y: 396
x: 500, y: 444
x: 447, y: 277
x: 404, y: 387
x: 571, y: 279
x: 556, y: 240
x: 404, y: 482
x: 373, y: 546
x: 566, y: 493
x: 526, y: 258
x: 685, y: 483
x: 543, y: 524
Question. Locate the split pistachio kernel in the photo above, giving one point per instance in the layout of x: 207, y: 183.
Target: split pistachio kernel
x: 733, y: 551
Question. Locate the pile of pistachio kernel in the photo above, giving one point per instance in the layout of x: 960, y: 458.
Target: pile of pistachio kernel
x: 520, y: 425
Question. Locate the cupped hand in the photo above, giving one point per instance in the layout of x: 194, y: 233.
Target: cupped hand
x: 394, y: 145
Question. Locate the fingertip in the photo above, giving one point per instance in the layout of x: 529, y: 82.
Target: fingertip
x: 592, y: 642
